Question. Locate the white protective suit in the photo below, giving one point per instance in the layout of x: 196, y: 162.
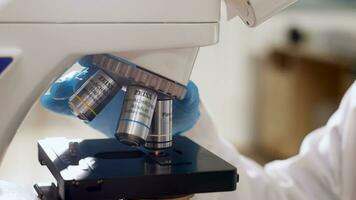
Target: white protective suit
x: 323, y: 170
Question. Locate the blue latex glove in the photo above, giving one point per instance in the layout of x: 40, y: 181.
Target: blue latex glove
x: 185, y: 112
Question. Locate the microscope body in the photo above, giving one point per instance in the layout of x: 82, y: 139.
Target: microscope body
x: 44, y: 38
x: 40, y: 39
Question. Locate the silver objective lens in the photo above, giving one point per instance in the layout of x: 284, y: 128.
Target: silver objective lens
x: 93, y: 96
x: 136, y: 115
x: 160, y: 137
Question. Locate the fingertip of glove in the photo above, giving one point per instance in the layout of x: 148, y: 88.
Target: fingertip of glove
x: 58, y: 106
x: 61, y: 90
x: 86, y: 61
x: 191, y: 98
x: 45, y: 101
x: 192, y: 90
x: 186, y: 124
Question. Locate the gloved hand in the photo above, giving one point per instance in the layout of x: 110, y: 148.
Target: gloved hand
x: 185, y: 112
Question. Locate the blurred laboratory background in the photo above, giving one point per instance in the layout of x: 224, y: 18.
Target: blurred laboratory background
x: 265, y: 88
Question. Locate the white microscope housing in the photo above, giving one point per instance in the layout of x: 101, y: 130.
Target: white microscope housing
x: 43, y: 38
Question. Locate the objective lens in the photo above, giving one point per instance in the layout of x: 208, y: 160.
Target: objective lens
x: 93, y: 96
x: 160, y: 137
x: 136, y: 115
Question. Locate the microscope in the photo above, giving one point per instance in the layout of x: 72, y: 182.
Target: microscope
x: 146, y: 48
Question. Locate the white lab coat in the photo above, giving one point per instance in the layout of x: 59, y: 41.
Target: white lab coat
x: 323, y: 169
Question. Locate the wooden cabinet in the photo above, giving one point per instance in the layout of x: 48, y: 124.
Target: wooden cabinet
x: 297, y: 92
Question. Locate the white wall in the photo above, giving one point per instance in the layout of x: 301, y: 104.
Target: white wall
x: 225, y: 76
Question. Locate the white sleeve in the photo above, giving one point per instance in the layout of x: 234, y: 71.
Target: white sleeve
x: 323, y: 169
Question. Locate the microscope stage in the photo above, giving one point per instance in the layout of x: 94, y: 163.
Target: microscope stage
x: 107, y: 169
